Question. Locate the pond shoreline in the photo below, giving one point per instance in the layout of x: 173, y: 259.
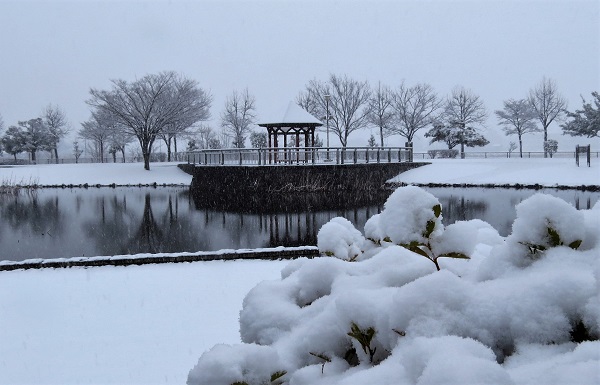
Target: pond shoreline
x: 273, y: 254
x: 515, y: 186
x: 387, y: 186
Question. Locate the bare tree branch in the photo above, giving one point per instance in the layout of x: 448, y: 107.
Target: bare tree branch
x: 548, y: 104
x: 238, y: 116
x: 415, y: 108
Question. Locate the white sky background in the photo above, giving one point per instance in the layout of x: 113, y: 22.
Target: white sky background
x: 53, y: 52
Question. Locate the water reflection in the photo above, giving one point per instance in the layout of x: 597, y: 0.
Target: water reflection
x: 53, y: 223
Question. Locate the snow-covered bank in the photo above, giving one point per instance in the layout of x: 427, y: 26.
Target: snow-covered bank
x: 544, y: 172
x: 95, y: 173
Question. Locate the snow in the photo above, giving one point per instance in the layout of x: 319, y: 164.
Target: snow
x: 295, y: 114
x: 545, y: 172
x: 504, y: 316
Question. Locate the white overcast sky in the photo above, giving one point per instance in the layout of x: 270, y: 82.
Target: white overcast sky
x: 54, y: 51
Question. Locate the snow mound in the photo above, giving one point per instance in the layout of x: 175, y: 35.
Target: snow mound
x: 414, y: 302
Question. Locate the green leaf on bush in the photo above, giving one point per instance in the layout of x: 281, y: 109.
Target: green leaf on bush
x: 437, y: 210
x: 387, y: 239
x: 363, y: 337
x: 277, y: 375
x: 575, y: 244
x: 321, y: 356
x: 429, y: 229
x: 554, y: 237
x: 414, y: 247
x: 329, y: 253
x: 456, y: 255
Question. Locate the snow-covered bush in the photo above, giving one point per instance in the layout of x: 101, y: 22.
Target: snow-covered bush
x: 339, y: 238
x: 521, y: 310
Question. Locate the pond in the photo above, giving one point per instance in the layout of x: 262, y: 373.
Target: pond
x: 61, y: 223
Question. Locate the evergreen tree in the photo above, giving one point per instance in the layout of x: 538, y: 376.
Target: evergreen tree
x: 584, y: 122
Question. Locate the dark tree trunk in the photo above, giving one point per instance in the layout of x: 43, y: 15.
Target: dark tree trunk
x: 175, y: 146
x: 520, y: 146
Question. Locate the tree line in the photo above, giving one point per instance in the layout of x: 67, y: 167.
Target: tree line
x: 168, y: 106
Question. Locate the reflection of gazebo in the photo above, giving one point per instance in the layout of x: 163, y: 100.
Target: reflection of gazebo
x: 299, y: 126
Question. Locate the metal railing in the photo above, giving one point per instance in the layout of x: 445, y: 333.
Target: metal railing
x: 300, y: 156
x: 504, y: 154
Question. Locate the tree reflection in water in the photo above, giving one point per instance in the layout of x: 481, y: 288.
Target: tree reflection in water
x: 53, y: 223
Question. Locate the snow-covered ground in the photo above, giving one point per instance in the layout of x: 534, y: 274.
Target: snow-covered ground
x: 120, y: 325
x: 150, y: 324
x: 94, y: 173
x: 545, y: 172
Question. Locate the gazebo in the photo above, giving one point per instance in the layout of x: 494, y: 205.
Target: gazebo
x: 296, y: 126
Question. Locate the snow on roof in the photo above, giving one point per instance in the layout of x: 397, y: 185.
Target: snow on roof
x: 295, y: 114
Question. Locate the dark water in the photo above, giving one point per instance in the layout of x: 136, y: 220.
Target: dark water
x: 56, y: 223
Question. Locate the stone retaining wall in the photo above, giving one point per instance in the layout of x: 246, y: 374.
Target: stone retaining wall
x: 295, y: 178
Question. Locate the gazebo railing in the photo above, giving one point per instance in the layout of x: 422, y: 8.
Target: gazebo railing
x: 300, y: 155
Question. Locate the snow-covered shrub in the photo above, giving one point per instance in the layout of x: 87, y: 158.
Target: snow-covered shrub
x: 340, y: 239
x: 412, y: 218
x: 507, y: 315
x: 240, y: 365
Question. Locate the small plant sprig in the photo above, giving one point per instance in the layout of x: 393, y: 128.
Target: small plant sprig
x: 364, y: 338
x: 275, y: 379
x: 425, y: 249
x: 323, y: 357
x: 553, y: 241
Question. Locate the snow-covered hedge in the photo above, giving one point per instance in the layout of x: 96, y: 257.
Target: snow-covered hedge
x: 415, y: 302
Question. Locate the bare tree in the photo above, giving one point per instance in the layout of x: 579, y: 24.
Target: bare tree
x: 415, y: 108
x: 77, y: 151
x: 148, y: 107
x: 463, y: 111
x: 238, y: 116
x: 206, y: 137
x: 381, y: 113
x: 99, y: 129
x: 548, y: 104
x: 348, y: 103
x: 56, y: 121
x: 517, y: 117
x: 35, y: 136
x: 199, y: 110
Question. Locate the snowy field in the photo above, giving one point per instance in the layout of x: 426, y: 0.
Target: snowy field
x: 150, y: 324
